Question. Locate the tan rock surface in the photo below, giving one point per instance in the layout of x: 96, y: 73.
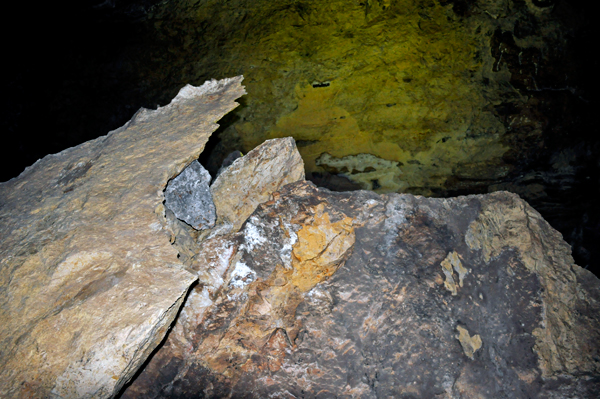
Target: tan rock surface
x: 251, y: 179
x: 89, y: 281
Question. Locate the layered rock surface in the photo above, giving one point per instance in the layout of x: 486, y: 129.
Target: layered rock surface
x: 324, y: 294
x: 89, y: 280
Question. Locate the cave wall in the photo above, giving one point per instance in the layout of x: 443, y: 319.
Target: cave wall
x: 457, y: 97
x: 428, y: 97
x: 425, y: 97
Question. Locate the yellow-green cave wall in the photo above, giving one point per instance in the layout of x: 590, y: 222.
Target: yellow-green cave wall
x: 399, y: 80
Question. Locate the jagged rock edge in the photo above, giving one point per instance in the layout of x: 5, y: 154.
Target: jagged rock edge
x: 132, y: 369
x: 188, y: 91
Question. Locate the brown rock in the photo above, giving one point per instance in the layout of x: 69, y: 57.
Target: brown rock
x: 89, y: 281
x: 356, y: 295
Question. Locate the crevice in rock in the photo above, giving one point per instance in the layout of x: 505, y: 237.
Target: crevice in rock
x: 141, y: 369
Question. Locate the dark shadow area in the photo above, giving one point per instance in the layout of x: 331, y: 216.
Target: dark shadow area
x: 158, y: 347
x: 214, y: 152
x: 67, y: 78
x: 333, y: 182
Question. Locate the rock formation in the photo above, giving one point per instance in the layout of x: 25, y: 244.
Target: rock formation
x: 429, y: 97
x: 89, y: 281
x: 239, y: 189
x: 357, y: 295
x: 250, y: 180
x: 302, y: 292
x: 188, y: 197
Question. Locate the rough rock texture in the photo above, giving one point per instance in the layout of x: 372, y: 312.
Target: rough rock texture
x: 251, y: 179
x: 238, y: 190
x: 357, y: 295
x: 188, y: 197
x: 89, y: 282
x: 461, y: 96
x: 430, y: 97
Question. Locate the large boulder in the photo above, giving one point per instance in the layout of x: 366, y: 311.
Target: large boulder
x: 302, y: 292
x: 89, y: 282
x: 357, y: 295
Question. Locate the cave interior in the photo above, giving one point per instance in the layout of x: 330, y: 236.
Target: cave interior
x: 430, y: 97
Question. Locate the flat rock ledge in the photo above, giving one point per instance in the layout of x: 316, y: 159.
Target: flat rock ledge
x: 89, y: 282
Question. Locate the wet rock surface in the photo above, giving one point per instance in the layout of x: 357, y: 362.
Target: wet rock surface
x: 89, y: 281
x: 324, y: 294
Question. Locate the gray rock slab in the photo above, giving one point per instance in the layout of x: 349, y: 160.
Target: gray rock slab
x: 188, y: 196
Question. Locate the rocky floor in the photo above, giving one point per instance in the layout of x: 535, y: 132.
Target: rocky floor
x: 357, y: 295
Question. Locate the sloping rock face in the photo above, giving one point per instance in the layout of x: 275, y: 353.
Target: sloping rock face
x: 357, y: 295
x: 89, y: 280
x: 251, y: 180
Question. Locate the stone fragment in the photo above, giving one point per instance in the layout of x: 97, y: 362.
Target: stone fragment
x: 251, y: 179
x: 324, y: 294
x: 449, y: 265
x: 89, y: 283
x: 188, y: 196
x: 469, y: 344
